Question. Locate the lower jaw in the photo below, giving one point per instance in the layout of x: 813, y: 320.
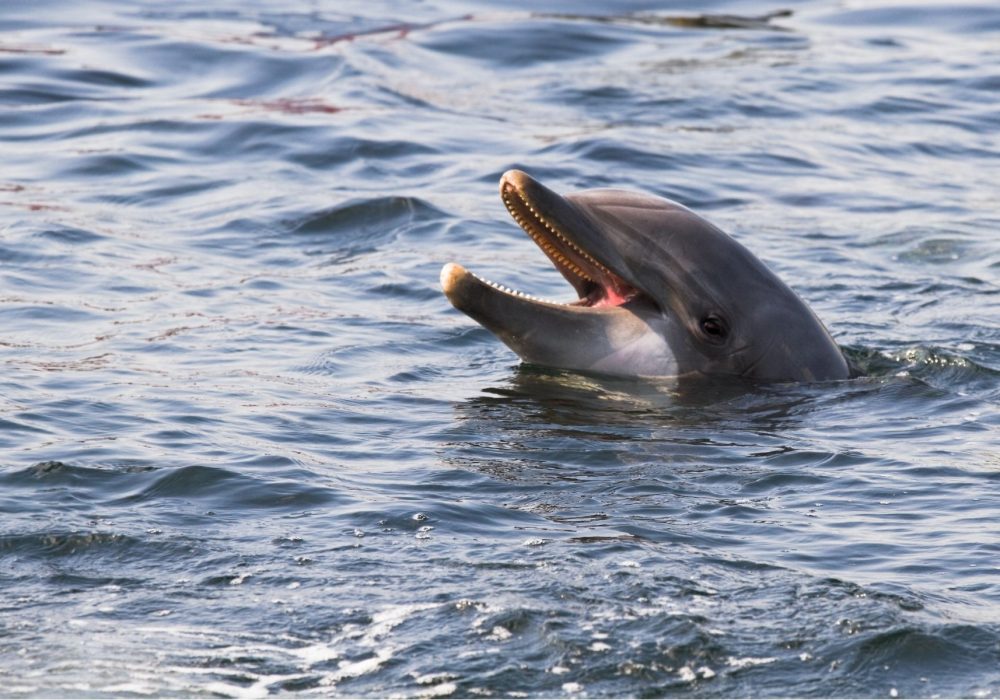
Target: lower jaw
x: 600, y: 297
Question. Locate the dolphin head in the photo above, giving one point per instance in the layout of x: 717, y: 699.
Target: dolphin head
x: 660, y: 292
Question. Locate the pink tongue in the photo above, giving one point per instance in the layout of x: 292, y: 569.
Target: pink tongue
x: 610, y: 295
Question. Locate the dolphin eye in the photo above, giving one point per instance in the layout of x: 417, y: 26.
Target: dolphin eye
x: 714, y: 327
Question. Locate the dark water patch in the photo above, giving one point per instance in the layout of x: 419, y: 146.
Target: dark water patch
x: 375, y: 217
x: 31, y: 95
x: 19, y: 59
x: 710, y: 21
x: 44, y: 313
x: 89, y: 548
x: 108, y: 165
x: 403, y: 292
x: 434, y: 520
x: 215, y: 70
x: 938, y: 148
x: 782, y: 482
x: 19, y: 256
x: 117, y: 123
x: 87, y: 486
x: 612, y: 151
x: 71, y: 236
x: 10, y: 426
x: 62, y: 486
x: 55, y: 472
x: 894, y: 104
x: 523, y: 44
x: 925, y: 661
x: 969, y: 18
x: 989, y: 84
x: 345, y: 151
x: 171, y: 194
x: 720, y: 21
x: 251, y: 140
x: 101, y: 78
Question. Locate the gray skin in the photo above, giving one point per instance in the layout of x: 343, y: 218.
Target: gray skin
x: 662, y: 293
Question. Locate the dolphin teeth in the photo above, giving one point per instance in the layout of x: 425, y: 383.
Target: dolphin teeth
x: 550, y: 239
x: 516, y: 292
x: 548, y: 247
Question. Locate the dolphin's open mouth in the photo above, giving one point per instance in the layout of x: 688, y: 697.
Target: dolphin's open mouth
x: 659, y: 292
x: 595, y: 284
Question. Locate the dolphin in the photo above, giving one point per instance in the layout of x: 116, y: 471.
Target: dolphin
x: 661, y: 292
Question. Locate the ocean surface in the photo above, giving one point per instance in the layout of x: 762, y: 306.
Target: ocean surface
x: 247, y: 447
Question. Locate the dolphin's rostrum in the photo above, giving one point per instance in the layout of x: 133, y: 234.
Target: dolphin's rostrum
x: 661, y: 292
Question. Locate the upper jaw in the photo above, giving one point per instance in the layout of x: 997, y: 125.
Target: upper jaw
x: 551, y: 220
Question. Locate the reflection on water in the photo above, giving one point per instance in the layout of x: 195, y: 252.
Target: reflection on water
x: 250, y: 449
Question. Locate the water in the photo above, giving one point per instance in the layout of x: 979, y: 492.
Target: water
x: 250, y: 449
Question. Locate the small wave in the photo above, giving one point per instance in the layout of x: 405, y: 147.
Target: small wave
x: 919, y: 661
x: 84, y: 487
x: 925, y: 362
x: 381, y: 217
x: 90, y: 557
x: 224, y: 488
